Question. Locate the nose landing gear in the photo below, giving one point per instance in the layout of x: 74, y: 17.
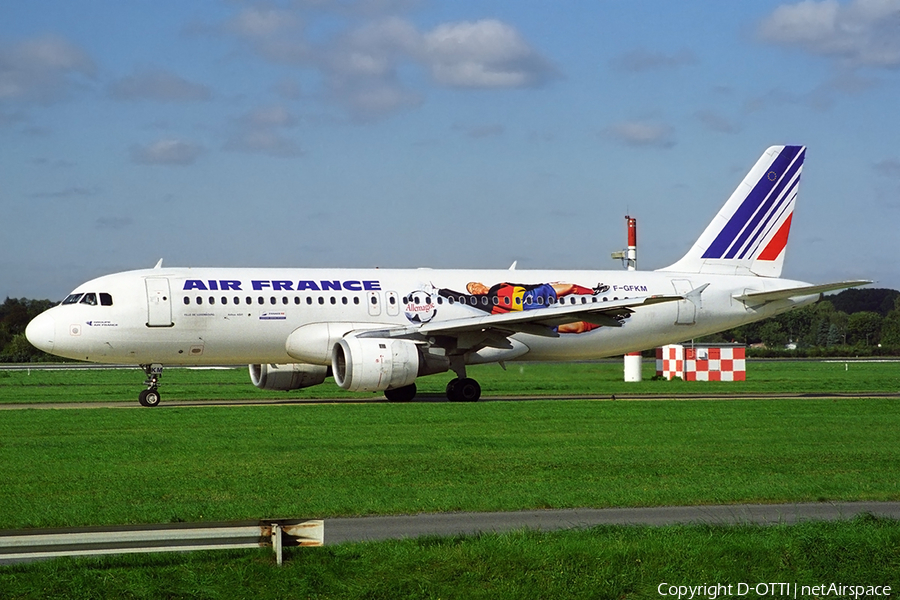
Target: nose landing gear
x: 150, y: 397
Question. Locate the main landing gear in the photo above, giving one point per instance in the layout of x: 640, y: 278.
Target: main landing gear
x: 150, y: 396
x: 462, y: 389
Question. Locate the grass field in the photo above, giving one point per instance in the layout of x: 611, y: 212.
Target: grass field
x: 603, y: 562
x: 527, y: 379
x: 116, y: 466
x: 112, y: 466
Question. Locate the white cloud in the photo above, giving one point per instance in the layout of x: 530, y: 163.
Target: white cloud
x: 276, y: 34
x: 714, y: 121
x: 270, y: 116
x: 169, y: 151
x: 42, y: 69
x: 258, y: 132
x: 642, y: 133
x: 158, y: 85
x: 859, y: 33
x: 484, y: 54
x: 362, y: 64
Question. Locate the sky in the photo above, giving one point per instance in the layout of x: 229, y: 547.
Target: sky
x: 413, y: 133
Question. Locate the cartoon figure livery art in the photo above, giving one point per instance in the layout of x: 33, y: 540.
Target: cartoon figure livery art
x: 509, y: 297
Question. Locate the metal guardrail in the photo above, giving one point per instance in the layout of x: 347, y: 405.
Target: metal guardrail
x: 34, y: 544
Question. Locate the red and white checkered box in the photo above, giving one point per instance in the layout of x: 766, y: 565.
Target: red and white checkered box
x: 703, y: 363
x: 715, y: 364
x: 670, y: 361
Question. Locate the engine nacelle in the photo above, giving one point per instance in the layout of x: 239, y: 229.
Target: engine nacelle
x: 287, y: 377
x: 374, y: 364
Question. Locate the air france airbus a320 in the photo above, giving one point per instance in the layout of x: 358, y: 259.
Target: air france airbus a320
x: 379, y: 329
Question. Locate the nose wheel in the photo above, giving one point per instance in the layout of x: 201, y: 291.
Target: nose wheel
x: 150, y: 397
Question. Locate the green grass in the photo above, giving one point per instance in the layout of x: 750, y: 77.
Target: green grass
x: 528, y: 379
x: 111, y: 466
x: 603, y: 562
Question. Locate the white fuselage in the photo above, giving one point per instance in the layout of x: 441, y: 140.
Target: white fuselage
x: 182, y: 316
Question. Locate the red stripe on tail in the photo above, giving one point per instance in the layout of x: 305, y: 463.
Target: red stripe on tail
x: 777, y: 243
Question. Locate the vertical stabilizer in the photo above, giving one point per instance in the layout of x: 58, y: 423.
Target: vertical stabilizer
x: 749, y: 235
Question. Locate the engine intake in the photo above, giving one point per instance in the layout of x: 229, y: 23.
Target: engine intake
x: 287, y: 377
x: 374, y: 364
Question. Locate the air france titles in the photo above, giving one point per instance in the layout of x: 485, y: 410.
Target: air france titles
x: 284, y: 285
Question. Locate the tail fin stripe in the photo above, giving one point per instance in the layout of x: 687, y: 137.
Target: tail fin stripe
x: 766, y: 218
x: 775, y: 221
x: 777, y: 244
x: 787, y: 164
x: 761, y: 200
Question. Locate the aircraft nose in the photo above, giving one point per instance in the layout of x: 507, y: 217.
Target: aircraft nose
x: 41, y: 332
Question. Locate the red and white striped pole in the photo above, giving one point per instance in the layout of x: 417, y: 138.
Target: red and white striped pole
x: 632, y: 359
x: 631, y: 253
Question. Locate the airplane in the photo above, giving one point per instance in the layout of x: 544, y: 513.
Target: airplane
x: 378, y: 330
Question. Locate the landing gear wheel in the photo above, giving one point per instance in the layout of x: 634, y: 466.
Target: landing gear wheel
x: 463, y: 390
x: 401, y: 394
x: 149, y: 398
x: 451, y: 390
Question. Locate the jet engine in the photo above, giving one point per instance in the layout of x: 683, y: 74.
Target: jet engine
x: 374, y: 364
x: 287, y: 377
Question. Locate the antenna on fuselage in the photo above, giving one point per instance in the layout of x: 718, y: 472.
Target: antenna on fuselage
x: 159, y: 264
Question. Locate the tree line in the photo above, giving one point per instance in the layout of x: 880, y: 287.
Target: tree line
x: 15, y: 313
x: 857, y: 322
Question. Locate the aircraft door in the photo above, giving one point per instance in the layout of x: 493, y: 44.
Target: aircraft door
x: 687, y: 310
x: 159, y: 302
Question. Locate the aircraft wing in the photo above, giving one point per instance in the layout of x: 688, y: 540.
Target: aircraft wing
x: 807, y: 290
x: 540, y: 321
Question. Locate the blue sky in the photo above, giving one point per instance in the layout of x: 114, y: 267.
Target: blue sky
x: 404, y: 133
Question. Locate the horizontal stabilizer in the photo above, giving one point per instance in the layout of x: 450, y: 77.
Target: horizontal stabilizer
x: 807, y: 290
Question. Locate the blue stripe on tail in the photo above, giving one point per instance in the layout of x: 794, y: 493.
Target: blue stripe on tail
x: 762, y: 207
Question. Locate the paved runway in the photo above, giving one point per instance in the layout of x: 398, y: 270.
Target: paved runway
x: 449, y: 524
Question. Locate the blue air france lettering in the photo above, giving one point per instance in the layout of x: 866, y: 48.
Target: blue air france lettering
x: 283, y: 285
x: 731, y: 276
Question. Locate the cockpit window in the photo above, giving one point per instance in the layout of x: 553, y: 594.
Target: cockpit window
x: 90, y: 298
x: 72, y: 299
x: 105, y: 299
